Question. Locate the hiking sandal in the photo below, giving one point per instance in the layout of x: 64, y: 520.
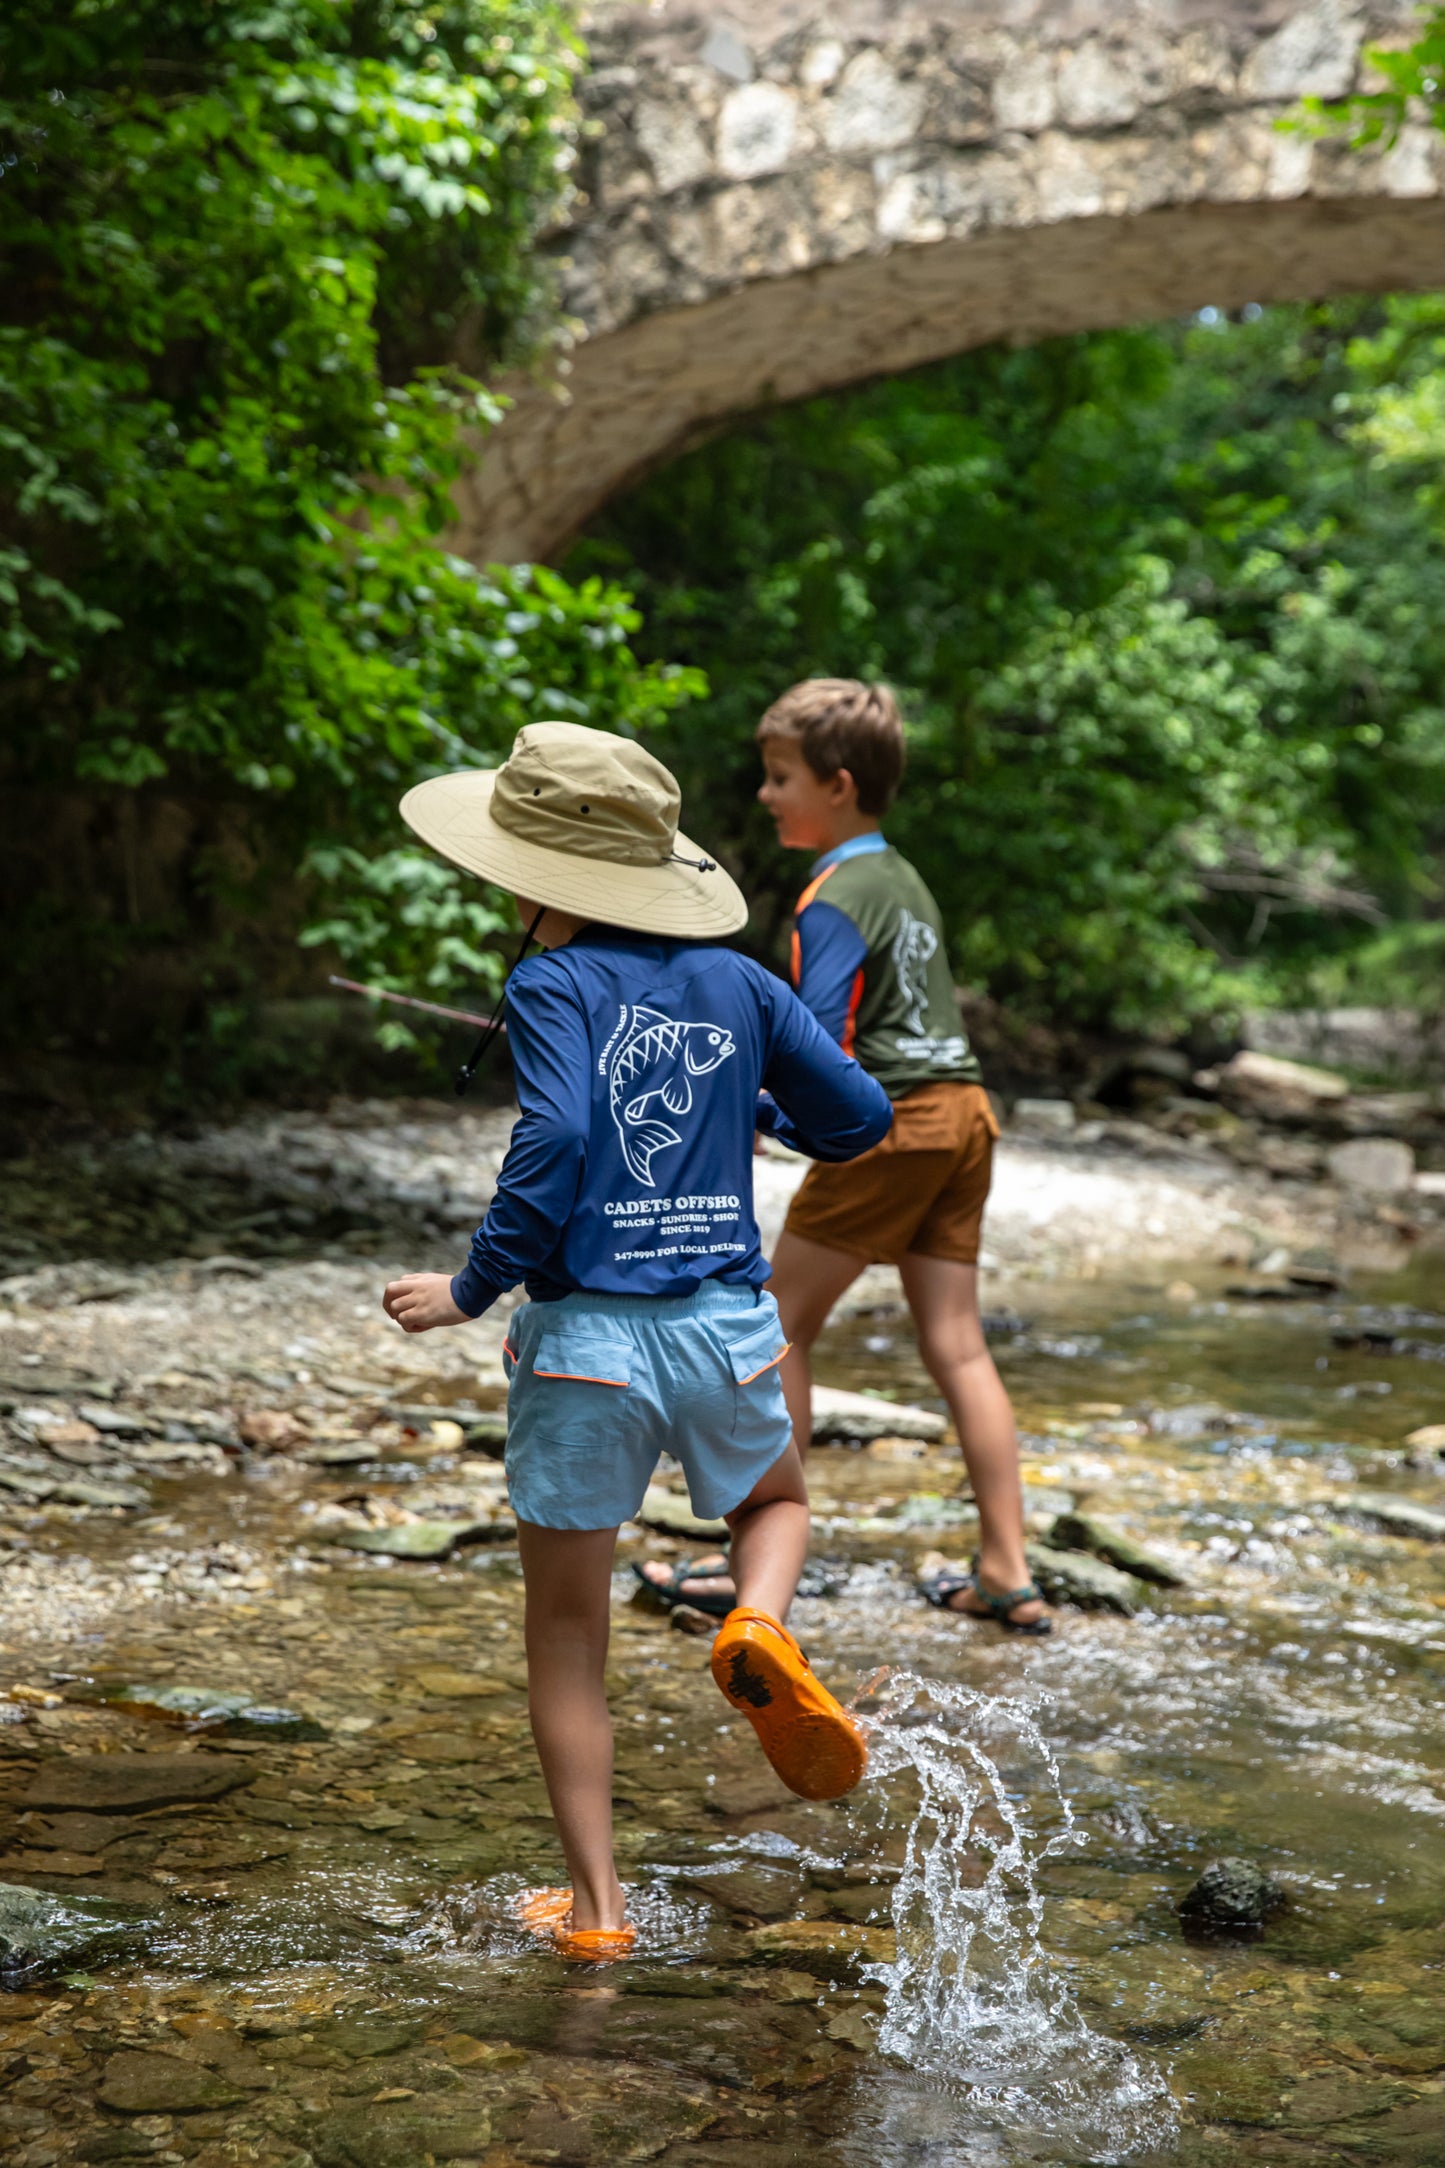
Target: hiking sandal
x: 715, y: 1602
x: 812, y: 1742
x: 940, y: 1587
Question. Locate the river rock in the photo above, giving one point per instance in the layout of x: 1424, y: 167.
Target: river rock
x: 82, y: 1491
x: 136, y: 2083
x: 219, y: 1709
x: 1074, y: 1577
x: 831, y: 1949
x: 1232, y: 1893
x: 1264, y: 1084
x: 1397, y: 1516
x: 764, y: 1893
x: 424, y: 1539
x: 41, y: 1933
x: 1046, y: 1117
x: 672, y: 1512
x: 131, y: 1783
x: 486, y: 1434
x: 1082, y: 1532
x: 841, y: 1418
x: 1200, y: 1419
x: 81, y: 1832
x: 1377, y: 1166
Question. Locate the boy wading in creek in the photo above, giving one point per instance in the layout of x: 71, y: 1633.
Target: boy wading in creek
x: 640, y: 1049
x: 869, y: 962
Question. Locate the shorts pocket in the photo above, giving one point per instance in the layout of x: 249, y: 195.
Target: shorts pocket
x: 583, y: 1356
x: 751, y: 1347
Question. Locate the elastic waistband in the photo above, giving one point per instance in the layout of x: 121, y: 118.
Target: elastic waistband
x: 709, y: 1295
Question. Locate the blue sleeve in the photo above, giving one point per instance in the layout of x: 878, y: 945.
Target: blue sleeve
x: 537, y: 1187
x: 816, y: 1099
x: 830, y: 954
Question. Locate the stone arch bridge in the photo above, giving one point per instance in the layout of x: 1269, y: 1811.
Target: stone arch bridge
x: 796, y: 195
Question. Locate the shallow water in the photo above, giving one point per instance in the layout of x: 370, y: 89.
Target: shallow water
x: 975, y: 1960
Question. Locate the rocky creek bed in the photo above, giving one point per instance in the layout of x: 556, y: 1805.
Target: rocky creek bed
x: 266, y: 1789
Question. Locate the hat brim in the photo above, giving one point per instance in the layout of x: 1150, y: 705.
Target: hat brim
x: 453, y: 813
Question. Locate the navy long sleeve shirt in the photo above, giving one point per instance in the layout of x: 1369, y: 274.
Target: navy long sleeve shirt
x: 639, y: 1063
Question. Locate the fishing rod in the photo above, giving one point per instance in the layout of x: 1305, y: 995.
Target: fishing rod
x: 408, y: 1001
x: 490, y: 1025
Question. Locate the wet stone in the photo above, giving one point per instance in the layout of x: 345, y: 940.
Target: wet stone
x: 102, y: 1783
x: 41, y: 1933
x: 1232, y: 1894
x: 763, y: 1893
x: 120, y: 2145
x: 386, y: 2136
x: 79, y: 1832
x: 1396, y: 1516
x: 422, y: 1539
x: 828, y: 1948
x: 1083, y: 1532
x: 1074, y: 1577
x: 135, y: 2083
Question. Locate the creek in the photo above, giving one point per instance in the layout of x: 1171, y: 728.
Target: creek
x: 977, y: 1959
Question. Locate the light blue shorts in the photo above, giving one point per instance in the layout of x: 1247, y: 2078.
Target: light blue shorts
x: 600, y: 1385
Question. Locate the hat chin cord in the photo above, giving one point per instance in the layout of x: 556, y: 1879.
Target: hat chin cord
x: 479, y: 1052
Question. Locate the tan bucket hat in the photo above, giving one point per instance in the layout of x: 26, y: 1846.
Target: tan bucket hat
x: 584, y: 821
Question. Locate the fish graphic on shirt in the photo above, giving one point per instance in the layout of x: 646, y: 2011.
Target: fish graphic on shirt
x: 914, y: 946
x: 651, y: 1071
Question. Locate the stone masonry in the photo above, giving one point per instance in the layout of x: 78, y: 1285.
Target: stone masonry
x: 788, y: 198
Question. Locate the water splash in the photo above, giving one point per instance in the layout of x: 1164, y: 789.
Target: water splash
x: 974, y: 2002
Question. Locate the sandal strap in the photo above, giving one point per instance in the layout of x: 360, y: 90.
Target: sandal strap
x: 1002, y: 1605
x: 939, y: 1587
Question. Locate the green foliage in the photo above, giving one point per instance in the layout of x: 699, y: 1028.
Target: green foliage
x: 1167, y: 619
x: 246, y: 249
x: 1412, y: 75
x: 408, y: 922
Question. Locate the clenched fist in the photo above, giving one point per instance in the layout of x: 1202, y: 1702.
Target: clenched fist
x: 420, y: 1300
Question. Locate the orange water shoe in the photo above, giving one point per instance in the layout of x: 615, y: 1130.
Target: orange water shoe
x: 548, y: 1914
x: 815, y: 1746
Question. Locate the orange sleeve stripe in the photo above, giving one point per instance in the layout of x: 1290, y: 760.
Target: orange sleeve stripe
x: 850, y: 1028
x: 812, y: 889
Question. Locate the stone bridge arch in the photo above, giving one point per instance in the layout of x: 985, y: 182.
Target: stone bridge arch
x: 796, y: 195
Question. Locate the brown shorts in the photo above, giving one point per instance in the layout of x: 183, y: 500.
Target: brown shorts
x: 922, y: 1190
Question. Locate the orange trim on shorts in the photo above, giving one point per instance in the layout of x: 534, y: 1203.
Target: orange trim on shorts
x: 581, y: 1377
x: 772, y: 1364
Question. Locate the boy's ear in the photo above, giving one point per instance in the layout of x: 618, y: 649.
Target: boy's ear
x: 841, y: 787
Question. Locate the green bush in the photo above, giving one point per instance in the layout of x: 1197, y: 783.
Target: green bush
x: 1166, y: 612
x: 247, y: 247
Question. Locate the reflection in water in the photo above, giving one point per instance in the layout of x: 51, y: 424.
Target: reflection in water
x: 973, y: 2000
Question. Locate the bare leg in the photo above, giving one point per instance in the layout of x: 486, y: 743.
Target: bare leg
x: 770, y: 1537
x: 807, y: 1280
x: 569, y: 1584
x: 943, y: 1297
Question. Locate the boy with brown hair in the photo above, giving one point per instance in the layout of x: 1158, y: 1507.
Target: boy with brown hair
x: 869, y: 961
